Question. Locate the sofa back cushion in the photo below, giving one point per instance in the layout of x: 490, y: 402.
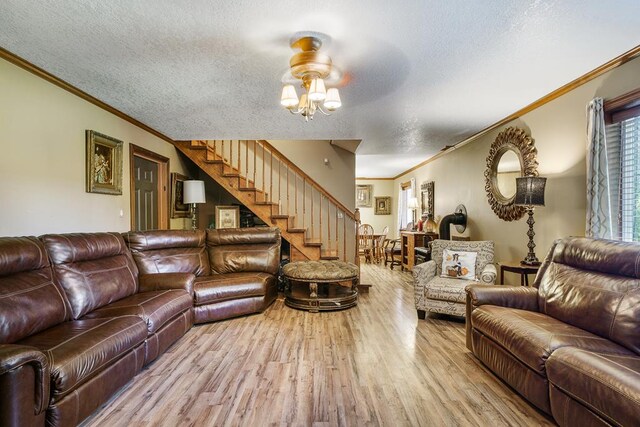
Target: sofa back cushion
x: 593, y: 284
x: 94, y: 269
x: 30, y: 301
x: 169, y: 251
x: 244, y: 250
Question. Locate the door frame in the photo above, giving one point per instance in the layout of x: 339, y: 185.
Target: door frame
x: 163, y: 184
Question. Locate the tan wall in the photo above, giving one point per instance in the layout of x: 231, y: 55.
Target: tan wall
x: 559, y: 131
x: 42, y: 165
x: 337, y: 177
x: 381, y: 187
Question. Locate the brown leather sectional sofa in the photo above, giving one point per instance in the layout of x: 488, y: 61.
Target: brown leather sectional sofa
x: 235, y: 269
x: 571, y: 343
x: 79, y: 317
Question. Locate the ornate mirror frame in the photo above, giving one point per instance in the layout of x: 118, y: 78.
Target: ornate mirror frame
x: 427, y: 198
x: 518, y: 141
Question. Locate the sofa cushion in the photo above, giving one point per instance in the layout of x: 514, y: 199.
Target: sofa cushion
x: 80, y: 349
x: 94, y: 269
x: 169, y: 251
x: 444, y: 289
x: 583, y: 276
x: 222, y: 287
x: 484, y: 248
x: 607, y: 384
x: 244, y: 249
x: 156, y: 308
x: 531, y: 337
x: 30, y: 301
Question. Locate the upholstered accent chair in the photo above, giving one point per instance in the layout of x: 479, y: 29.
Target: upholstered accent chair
x: 444, y: 295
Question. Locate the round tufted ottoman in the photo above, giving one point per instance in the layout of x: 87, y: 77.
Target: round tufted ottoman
x: 321, y: 285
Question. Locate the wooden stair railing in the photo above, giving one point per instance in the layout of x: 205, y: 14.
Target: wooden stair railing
x: 316, y: 224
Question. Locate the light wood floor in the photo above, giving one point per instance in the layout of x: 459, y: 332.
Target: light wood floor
x: 374, y: 364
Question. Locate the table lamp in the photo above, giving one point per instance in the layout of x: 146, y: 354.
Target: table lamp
x: 193, y: 192
x: 412, y: 204
x: 530, y: 193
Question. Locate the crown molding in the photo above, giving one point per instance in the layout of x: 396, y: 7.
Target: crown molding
x: 33, y: 69
x: 606, y: 67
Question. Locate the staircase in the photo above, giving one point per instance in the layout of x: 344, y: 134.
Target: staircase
x: 316, y: 225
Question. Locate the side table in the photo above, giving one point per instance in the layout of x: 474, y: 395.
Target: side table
x: 516, y: 267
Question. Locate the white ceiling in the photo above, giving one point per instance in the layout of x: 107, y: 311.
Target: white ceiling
x: 421, y: 74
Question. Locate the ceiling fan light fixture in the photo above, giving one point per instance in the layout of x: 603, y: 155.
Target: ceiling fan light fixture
x: 289, y: 98
x: 317, y: 91
x: 332, y: 102
x: 311, y: 67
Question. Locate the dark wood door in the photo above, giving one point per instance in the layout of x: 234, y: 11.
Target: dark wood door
x: 146, y: 194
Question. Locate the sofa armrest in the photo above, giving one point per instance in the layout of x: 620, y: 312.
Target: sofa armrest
x: 422, y: 273
x: 519, y: 297
x: 165, y: 281
x: 489, y: 274
x: 504, y: 296
x: 15, y: 357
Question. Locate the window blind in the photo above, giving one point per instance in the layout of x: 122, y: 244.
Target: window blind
x: 629, y: 188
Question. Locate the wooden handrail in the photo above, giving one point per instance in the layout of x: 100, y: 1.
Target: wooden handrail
x: 300, y: 172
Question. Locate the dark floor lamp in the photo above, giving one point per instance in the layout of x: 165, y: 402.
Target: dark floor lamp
x: 530, y: 193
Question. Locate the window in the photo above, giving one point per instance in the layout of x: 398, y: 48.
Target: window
x: 630, y: 179
x: 405, y: 213
x: 623, y: 141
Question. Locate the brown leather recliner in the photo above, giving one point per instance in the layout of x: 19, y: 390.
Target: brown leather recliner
x: 571, y: 343
x: 74, y: 332
x: 236, y: 268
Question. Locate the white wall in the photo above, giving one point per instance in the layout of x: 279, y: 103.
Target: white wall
x: 42, y: 165
x: 337, y: 177
x: 381, y: 187
x: 559, y: 131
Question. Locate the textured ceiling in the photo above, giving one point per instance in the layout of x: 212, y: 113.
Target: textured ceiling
x: 419, y: 74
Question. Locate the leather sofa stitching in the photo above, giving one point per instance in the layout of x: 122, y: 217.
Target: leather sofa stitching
x: 105, y: 321
x: 106, y: 362
x: 596, y: 379
x: 24, y: 291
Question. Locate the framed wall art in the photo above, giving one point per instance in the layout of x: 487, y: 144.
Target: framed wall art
x: 427, y: 197
x: 178, y: 208
x: 227, y: 216
x: 104, y: 164
x: 363, y: 196
x: 383, y: 205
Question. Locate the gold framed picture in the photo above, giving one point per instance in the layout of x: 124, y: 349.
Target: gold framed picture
x: 104, y: 164
x: 363, y: 196
x: 227, y: 216
x: 178, y: 208
x: 383, y: 205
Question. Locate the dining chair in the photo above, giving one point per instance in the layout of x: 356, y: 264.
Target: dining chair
x: 365, y: 242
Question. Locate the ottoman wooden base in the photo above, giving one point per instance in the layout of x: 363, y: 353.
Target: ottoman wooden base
x: 330, y: 297
x: 321, y: 285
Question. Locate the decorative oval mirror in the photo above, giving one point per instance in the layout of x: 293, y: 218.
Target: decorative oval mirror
x: 509, y: 168
x: 512, y: 155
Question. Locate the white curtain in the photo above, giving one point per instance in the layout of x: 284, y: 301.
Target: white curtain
x: 599, y: 202
x: 402, y: 208
x: 403, y: 200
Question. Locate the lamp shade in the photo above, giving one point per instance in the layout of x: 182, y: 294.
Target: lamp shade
x: 413, y: 203
x: 317, y: 91
x: 333, y: 99
x: 289, y: 98
x: 193, y: 192
x: 530, y: 191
